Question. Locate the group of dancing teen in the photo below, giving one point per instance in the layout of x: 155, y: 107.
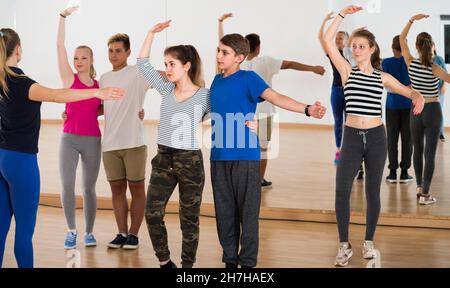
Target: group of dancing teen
x: 241, y: 90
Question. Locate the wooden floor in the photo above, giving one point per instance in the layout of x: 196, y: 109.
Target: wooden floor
x: 303, y: 175
x: 282, y: 244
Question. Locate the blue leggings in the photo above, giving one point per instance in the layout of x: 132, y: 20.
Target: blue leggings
x: 19, y: 196
x: 338, y: 105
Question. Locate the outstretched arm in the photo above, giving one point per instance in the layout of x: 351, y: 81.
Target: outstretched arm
x: 439, y: 72
x: 43, y: 94
x: 395, y: 86
x: 65, y: 71
x: 292, y: 65
x: 331, y: 49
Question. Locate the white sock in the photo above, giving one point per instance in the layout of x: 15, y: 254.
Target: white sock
x: 124, y: 234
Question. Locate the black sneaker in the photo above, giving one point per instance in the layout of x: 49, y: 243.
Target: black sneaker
x: 405, y: 177
x: 132, y: 243
x: 442, y: 137
x: 230, y: 266
x: 265, y: 184
x: 117, y: 242
x: 169, y: 265
x: 392, y: 178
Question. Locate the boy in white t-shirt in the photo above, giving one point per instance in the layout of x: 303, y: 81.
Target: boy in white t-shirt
x: 266, y: 67
x: 124, y: 146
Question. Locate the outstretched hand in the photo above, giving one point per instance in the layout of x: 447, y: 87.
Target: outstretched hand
x: 352, y: 9
x: 317, y: 110
x: 160, y: 26
x: 67, y: 12
x: 110, y: 93
x: 225, y: 16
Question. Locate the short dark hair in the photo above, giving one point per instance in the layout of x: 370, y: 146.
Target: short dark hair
x: 396, y: 44
x: 254, y: 41
x: 236, y: 42
x: 120, y: 37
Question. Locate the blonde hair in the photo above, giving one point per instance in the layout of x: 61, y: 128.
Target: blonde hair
x: 9, y: 40
x: 92, y: 72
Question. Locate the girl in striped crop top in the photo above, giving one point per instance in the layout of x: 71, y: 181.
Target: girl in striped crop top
x: 425, y: 77
x: 364, y: 134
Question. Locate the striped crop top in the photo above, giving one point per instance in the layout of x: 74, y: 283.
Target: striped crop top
x: 363, y: 94
x: 423, y: 79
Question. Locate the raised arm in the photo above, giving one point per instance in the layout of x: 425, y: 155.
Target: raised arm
x: 406, y: 53
x: 287, y: 103
x: 221, y: 19
x: 43, y: 94
x: 147, y: 45
x: 331, y: 49
x: 322, y: 29
x: 396, y: 87
x: 292, y: 65
x: 65, y: 71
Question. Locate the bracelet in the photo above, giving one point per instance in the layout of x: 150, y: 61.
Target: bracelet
x: 341, y: 16
x: 307, y: 111
x: 62, y: 15
x: 220, y: 20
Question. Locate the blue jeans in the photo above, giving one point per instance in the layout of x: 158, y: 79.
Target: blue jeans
x: 19, y: 197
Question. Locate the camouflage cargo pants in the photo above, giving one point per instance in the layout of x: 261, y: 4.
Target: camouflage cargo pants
x: 169, y: 168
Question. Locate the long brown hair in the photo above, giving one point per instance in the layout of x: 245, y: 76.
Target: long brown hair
x: 92, y: 72
x: 188, y: 54
x: 375, y: 59
x: 9, y: 40
x: 424, y: 44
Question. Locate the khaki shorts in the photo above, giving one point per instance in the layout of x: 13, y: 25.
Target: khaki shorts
x: 265, y: 131
x: 126, y: 164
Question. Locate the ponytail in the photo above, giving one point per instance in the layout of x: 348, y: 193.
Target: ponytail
x: 9, y: 40
x: 425, y: 44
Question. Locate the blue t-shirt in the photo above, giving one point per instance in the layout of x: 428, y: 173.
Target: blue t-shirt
x: 233, y: 102
x: 397, y: 68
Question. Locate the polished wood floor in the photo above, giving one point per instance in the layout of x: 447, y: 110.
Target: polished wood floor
x: 303, y: 175
x: 282, y: 244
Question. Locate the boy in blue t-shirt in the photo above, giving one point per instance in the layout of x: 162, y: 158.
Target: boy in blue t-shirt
x: 235, y: 153
x: 398, y: 113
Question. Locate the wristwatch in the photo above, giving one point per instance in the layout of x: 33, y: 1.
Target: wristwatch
x: 307, y: 111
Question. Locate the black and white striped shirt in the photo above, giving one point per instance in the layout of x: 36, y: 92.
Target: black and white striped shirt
x: 179, y: 121
x: 363, y: 94
x: 423, y: 79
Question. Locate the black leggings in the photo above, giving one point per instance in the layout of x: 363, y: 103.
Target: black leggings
x: 370, y: 146
x: 425, y: 131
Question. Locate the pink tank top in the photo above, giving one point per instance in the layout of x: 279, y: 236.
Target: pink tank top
x: 82, y: 115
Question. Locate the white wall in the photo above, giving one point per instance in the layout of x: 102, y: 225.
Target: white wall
x: 288, y: 30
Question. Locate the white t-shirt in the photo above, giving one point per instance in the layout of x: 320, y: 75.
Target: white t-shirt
x: 266, y: 67
x: 123, y: 128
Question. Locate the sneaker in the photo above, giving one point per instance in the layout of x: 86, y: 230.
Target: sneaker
x: 368, y: 250
x: 168, y: 265
x: 266, y: 184
x: 231, y: 266
x: 337, y: 158
x: 419, y: 192
x: 71, y: 241
x: 117, y: 242
x: 405, y: 177
x: 442, y: 137
x: 392, y: 178
x: 89, y: 240
x: 131, y: 243
x: 427, y: 200
x: 345, y: 252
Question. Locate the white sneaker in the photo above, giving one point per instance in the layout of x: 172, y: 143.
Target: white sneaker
x: 426, y: 200
x: 368, y: 250
x: 345, y: 252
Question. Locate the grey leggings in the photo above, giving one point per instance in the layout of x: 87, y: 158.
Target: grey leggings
x: 369, y: 146
x: 426, y: 126
x: 89, y: 148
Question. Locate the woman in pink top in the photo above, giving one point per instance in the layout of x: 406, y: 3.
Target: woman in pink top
x: 81, y: 137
